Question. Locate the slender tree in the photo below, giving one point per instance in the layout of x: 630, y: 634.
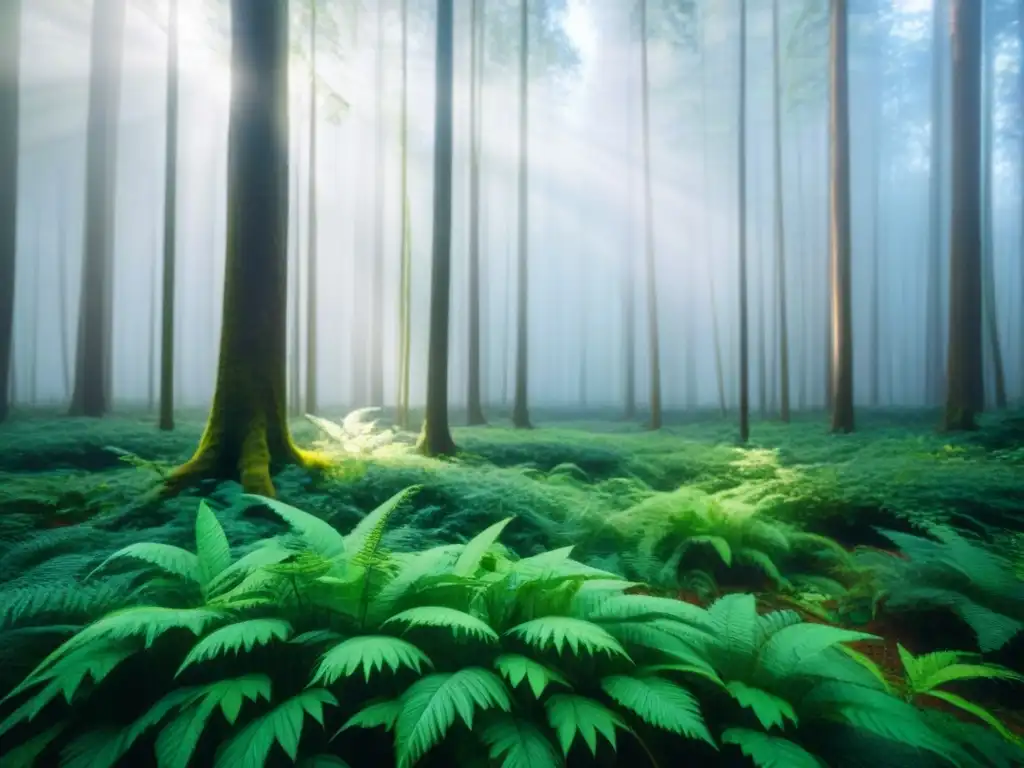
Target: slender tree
x: 964, y: 376
x: 62, y: 288
x: 520, y: 410
x: 474, y: 408
x: 405, y: 246
x: 436, y: 438
x: 1020, y: 172
x: 10, y: 97
x: 876, y: 216
x: 742, y: 232
x: 312, y: 397
x: 377, y: 275
x: 933, y: 320
x: 93, y: 361
x: 170, y: 225
x: 247, y: 430
x: 780, y: 219
x: 842, y: 312
x: 628, y: 264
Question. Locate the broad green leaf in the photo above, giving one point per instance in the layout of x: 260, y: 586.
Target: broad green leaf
x: 372, y: 653
x: 979, y: 712
x: 449, y: 618
x: 514, y: 742
x: 660, y: 703
x: 569, y: 714
x: 241, y: 636
x: 516, y: 668
x: 476, y: 548
x: 791, y: 646
x: 212, y: 549
x: 174, y: 560
x: 319, y: 535
x: 559, y: 631
x: 770, y: 751
x: 380, y: 713
x: 769, y: 709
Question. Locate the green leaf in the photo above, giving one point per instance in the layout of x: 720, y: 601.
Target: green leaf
x: 791, y: 646
x: 770, y: 751
x: 283, y: 725
x: 174, y: 560
x: 569, y: 714
x: 660, y: 703
x: 720, y: 545
x: 372, y: 653
x: 979, y: 712
x: 476, y: 548
x: 376, y: 715
x: 319, y: 535
x: 514, y: 742
x: 770, y: 710
x: 736, y: 619
x: 449, y: 618
x: 364, y: 539
x: 559, y: 631
x: 26, y: 753
x: 429, y: 707
x: 241, y: 636
x: 517, y: 668
x: 868, y: 664
x: 270, y: 552
x: 212, y: 548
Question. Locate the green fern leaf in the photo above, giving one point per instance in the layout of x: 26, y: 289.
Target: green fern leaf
x: 979, y: 712
x: 736, y: 619
x: 376, y: 715
x: 269, y: 552
x: 559, y: 631
x: 476, y: 548
x: 718, y: 543
x: 173, y: 560
x: 101, y: 748
x: 319, y: 535
x: 449, y: 618
x: 617, y: 607
x: 364, y: 540
x: 429, y: 707
x: 513, y: 742
x: 931, y: 670
x: 516, y: 668
x: 569, y: 714
x: 770, y: 751
x: 283, y: 725
x: 763, y: 561
x: 868, y: 664
x: 791, y: 646
x: 212, y: 549
x: 660, y: 703
x: 372, y: 653
x: 241, y: 636
x: 148, y: 621
x: 769, y: 709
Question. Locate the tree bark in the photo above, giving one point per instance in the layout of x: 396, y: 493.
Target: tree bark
x: 742, y: 233
x: 436, y: 438
x: 629, y: 275
x: 247, y: 430
x: 780, y: 222
x: 965, y: 381
x: 377, y: 277
x: 474, y: 408
x: 93, y: 363
x: 312, y: 396
x: 842, y: 312
x: 62, y: 287
x: 933, y: 318
x: 170, y: 225
x: 520, y: 410
x: 10, y: 97
x: 405, y: 247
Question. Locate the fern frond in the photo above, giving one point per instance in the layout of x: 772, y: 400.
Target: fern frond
x: 514, y: 742
x: 569, y: 714
x: 977, y: 711
x: 517, y: 668
x: 213, y: 552
x: 380, y: 713
x: 241, y: 636
x: 660, y: 703
x: 372, y: 653
x: 364, y: 540
x: 449, y: 618
x: 319, y: 535
x: 476, y: 548
x: 559, y: 631
x: 168, y: 558
x: 769, y: 709
x: 770, y: 751
x: 791, y: 646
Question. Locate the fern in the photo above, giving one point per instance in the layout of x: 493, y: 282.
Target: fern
x: 364, y: 540
x: 449, y: 618
x: 570, y: 715
x: 380, y: 714
x: 516, y: 668
x: 770, y: 710
x: 558, y: 631
x: 476, y: 548
x: 372, y: 653
x: 241, y: 636
x: 318, y: 535
x: 660, y: 703
x: 513, y: 742
x: 770, y: 751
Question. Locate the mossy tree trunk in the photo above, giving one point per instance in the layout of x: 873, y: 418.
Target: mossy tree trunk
x: 964, y: 376
x: 780, y: 219
x: 840, y: 289
x: 170, y: 225
x: 93, y: 360
x: 247, y: 431
x: 10, y: 98
x: 649, y: 250
x: 520, y: 410
x: 436, y: 438
x: 742, y: 233
x: 933, y: 312
x: 474, y: 407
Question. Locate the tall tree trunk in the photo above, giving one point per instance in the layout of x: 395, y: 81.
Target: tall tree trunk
x: 295, y: 358
x: 170, y: 225
x: 629, y: 276
x: 933, y: 319
x: 742, y: 233
x: 247, y: 431
x: 520, y: 411
x: 377, y: 289
x: 1020, y: 186
x: 649, y: 246
x: 93, y: 364
x: 10, y: 97
x: 842, y: 312
x: 759, y: 283
x: 33, y: 351
x: 807, y: 248
x: 474, y: 408
x: 62, y: 288
x: 780, y: 220
x: 154, y: 323
x: 507, y: 337
x: 876, y: 247
x: 988, y: 229
x: 965, y: 380
x: 405, y: 248
x: 436, y: 439
x: 312, y: 397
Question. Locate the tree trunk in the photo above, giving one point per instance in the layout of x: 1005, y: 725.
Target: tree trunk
x: 842, y: 314
x: 247, y: 431
x: 806, y: 248
x: 742, y: 233
x: 92, y: 364
x: 876, y: 229
x: 965, y: 382
x: 780, y: 223
x: 474, y: 408
x: 933, y: 319
x: 507, y: 336
x: 170, y: 225
x: 33, y: 351
x: 436, y: 439
x: 520, y: 411
x: 62, y: 287
x: 1020, y: 173
x: 405, y: 248
x: 10, y: 97
x: 295, y: 358
x: 312, y: 398
x: 759, y: 281
x: 152, y: 343
x: 629, y: 276
x: 377, y: 288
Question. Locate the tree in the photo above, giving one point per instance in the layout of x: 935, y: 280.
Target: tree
x: 842, y: 312
x: 964, y: 375
x: 10, y: 97
x: 520, y: 410
x: 475, y: 410
x: 933, y: 342
x: 436, y: 438
x: 170, y: 224
x: 377, y: 276
x: 742, y: 233
x: 405, y: 247
x: 312, y: 400
x: 93, y: 360
x: 780, y: 225
x: 247, y: 430
x: 652, y: 281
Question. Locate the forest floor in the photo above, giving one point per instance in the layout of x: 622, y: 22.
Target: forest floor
x: 74, y: 491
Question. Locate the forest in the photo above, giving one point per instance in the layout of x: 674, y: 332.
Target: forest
x: 512, y: 383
